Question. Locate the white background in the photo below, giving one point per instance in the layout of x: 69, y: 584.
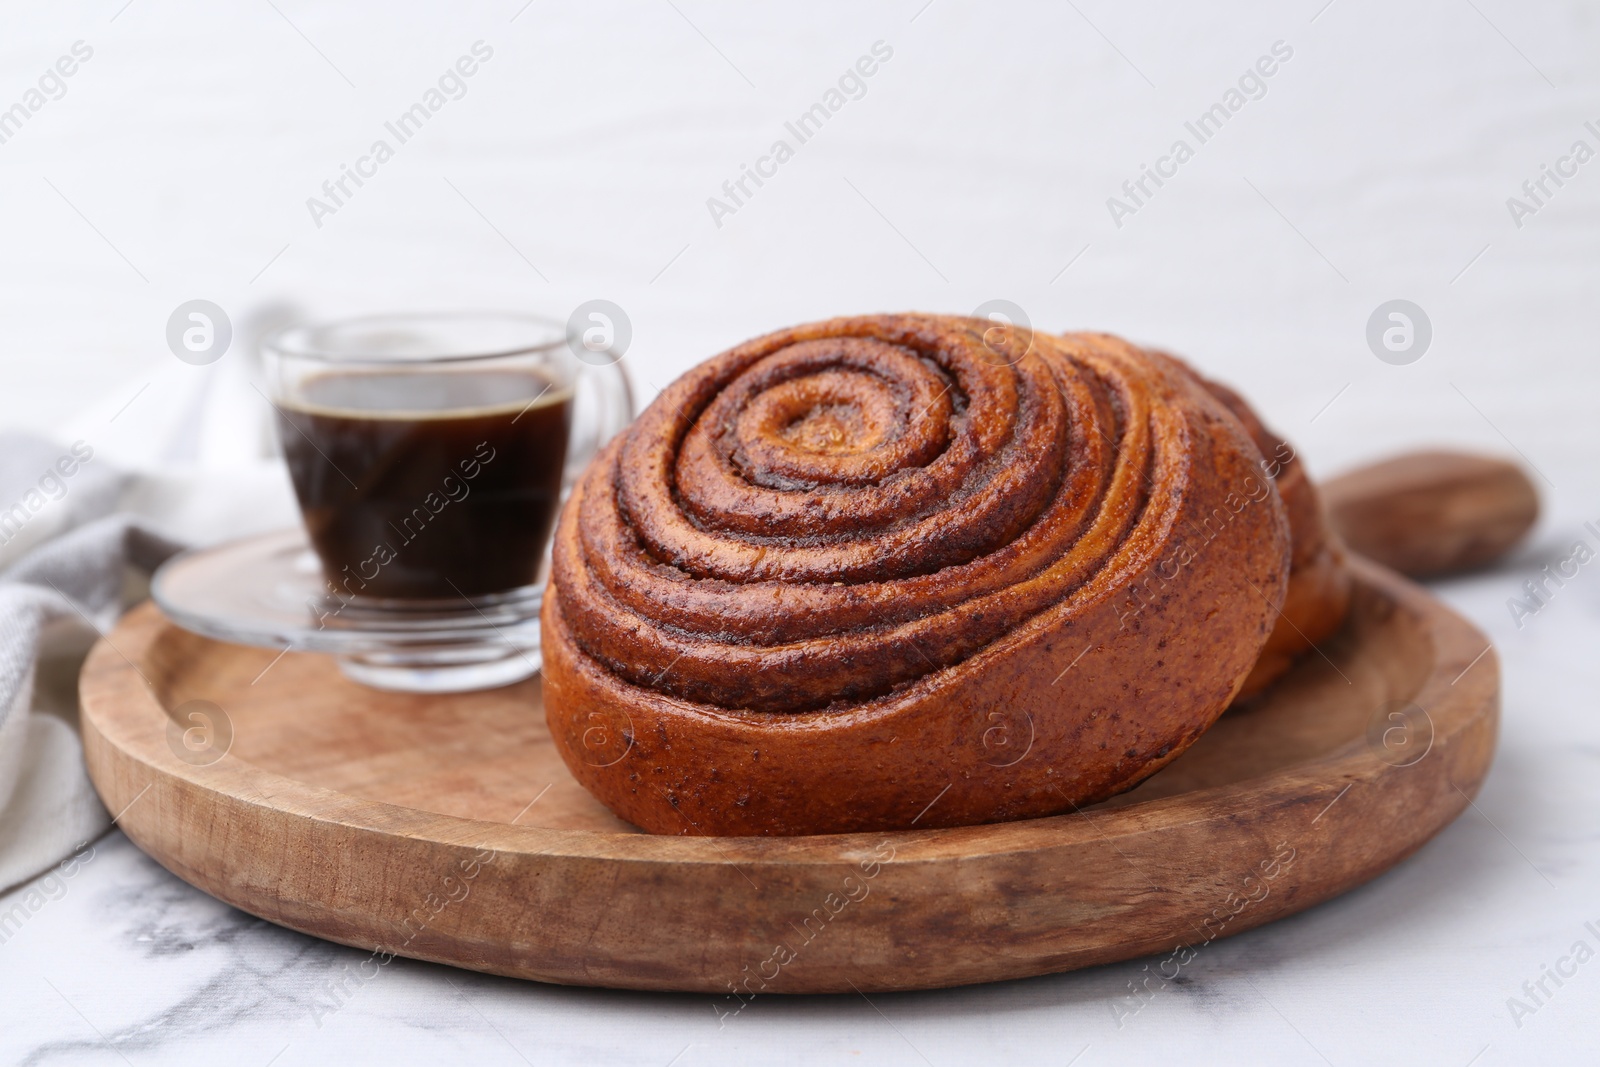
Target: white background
x: 977, y: 166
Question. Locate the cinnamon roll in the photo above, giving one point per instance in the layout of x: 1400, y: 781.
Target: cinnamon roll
x: 884, y: 572
x: 1318, y: 597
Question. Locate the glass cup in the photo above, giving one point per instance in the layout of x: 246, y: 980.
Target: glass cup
x: 430, y: 454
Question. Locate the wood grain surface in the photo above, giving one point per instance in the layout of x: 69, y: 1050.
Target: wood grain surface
x: 447, y: 829
x: 1427, y: 514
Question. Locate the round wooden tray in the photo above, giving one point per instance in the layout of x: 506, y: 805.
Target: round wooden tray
x: 448, y: 829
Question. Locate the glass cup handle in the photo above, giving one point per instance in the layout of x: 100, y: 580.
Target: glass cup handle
x: 605, y: 395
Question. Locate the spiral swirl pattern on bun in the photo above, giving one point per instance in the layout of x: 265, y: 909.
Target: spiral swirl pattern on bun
x: 844, y: 568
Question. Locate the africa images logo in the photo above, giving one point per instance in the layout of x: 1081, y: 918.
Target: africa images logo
x: 337, y: 191
x: 851, y: 85
x: 1251, y: 85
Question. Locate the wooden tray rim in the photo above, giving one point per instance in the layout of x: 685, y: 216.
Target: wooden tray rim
x: 125, y: 723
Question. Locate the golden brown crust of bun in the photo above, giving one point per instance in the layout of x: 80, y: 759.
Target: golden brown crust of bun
x: 1319, y: 583
x: 866, y: 574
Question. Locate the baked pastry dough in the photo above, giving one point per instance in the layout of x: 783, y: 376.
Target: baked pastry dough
x: 1319, y: 583
x: 883, y: 572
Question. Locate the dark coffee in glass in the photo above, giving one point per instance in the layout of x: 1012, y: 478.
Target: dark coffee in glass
x: 428, y: 484
x: 429, y: 453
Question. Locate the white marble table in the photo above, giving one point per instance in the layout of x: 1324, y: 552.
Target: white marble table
x: 977, y: 165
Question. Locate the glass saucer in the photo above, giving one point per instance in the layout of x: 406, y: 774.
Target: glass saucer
x: 269, y: 591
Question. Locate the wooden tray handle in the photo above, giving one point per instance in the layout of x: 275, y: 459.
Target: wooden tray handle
x: 1427, y: 514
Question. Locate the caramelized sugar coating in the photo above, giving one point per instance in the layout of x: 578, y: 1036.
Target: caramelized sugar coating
x: 871, y: 573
